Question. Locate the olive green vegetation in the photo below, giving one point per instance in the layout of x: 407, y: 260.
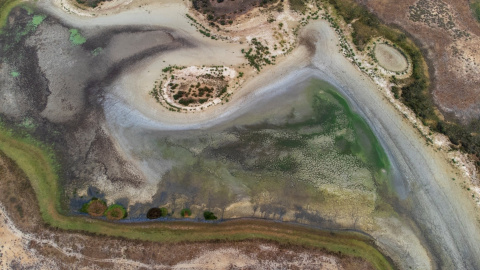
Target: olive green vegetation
x: 298, y: 5
x: 5, y: 7
x: 37, y: 162
x: 76, y: 38
x: 415, y: 92
x: 475, y: 6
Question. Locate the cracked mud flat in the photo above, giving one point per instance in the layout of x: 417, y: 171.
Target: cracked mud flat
x: 103, y: 120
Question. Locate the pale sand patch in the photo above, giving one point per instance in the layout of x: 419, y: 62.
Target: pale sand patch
x: 13, y: 248
x: 390, y: 58
x: 229, y: 258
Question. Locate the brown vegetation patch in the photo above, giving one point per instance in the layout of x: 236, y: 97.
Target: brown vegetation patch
x: 96, y: 208
x: 114, y: 214
x: 223, y: 11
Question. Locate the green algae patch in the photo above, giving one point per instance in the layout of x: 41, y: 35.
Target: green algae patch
x: 37, y: 20
x: 14, y: 74
x: 31, y: 26
x: 76, y: 38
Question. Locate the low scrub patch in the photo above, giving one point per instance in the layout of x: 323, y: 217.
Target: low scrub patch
x: 156, y: 212
x: 115, y: 212
x: 95, y: 207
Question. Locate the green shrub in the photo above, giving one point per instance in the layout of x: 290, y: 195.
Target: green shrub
x: 95, y: 207
x: 115, y: 212
x: 156, y: 212
x: 209, y: 215
x: 186, y: 212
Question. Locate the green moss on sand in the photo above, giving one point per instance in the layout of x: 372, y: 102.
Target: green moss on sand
x: 76, y: 38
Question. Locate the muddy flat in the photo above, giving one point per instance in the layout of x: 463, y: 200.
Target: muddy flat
x: 390, y: 58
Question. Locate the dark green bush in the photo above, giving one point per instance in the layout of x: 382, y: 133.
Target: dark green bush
x: 209, y: 215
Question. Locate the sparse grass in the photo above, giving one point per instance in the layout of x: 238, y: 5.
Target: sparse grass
x: 298, y: 5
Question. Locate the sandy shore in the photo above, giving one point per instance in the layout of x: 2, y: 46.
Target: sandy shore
x: 445, y: 216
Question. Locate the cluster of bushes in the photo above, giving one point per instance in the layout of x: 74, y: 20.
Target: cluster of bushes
x: 98, y: 208
x: 415, y: 91
x: 259, y: 55
x: 179, y: 94
x: 90, y: 3
x: 186, y: 101
x: 156, y: 212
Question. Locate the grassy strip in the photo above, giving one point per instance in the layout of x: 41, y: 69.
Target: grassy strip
x: 38, y: 164
x: 5, y: 7
x: 475, y: 6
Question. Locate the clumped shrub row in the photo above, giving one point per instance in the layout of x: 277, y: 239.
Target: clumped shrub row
x: 97, y: 208
x: 156, y: 212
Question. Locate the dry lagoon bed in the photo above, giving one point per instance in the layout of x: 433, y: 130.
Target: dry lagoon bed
x: 116, y: 121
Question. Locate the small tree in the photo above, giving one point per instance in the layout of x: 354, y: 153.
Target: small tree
x: 186, y: 212
x: 209, y: 215
x: 156, y: 212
